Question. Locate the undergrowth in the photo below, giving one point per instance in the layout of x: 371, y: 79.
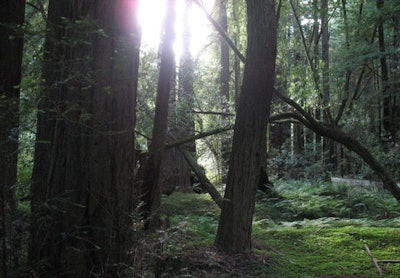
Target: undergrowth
x: 304, y: 229
x: 298, y: 200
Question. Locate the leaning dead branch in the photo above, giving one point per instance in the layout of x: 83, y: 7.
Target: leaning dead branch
x: 205, y: 182
x: 338, y: 135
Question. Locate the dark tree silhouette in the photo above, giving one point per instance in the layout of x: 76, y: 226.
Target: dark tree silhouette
x: 150, y: 174
x: 84, y: 159
x: 11, y: 45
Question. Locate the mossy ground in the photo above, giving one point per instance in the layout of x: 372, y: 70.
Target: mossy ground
x: 327, y: 245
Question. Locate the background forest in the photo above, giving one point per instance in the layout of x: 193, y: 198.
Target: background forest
x: 114, y: 114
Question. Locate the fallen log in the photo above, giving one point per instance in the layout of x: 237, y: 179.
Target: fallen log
x: 359, y: 182
x: 205, y: 182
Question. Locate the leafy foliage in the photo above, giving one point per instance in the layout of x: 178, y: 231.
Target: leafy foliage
x: 302, y: 200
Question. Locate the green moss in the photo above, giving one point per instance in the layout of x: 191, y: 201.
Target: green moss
x: 189, y: 204
x: 327, y: 246
x: 332, y: 252
x: 197, y: 213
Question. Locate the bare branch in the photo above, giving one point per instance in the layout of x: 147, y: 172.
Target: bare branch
x: 214, y: 113
x: 221, y: 32
x: 182, y: 141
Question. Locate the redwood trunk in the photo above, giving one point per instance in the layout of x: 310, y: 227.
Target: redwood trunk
x: 84, y: 158
x: 249, y: 139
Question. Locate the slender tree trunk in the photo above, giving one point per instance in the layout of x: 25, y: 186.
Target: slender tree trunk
x: 317, y: 140
x: 186, y: 79
x: 236, y: 59
x: 387, y: 118
x: 11, y: 44
x: 224, y: 58
x: 298, y: 139
x: 224, y: 77
x: 234, y: 230
x: 340, y: 154
x: 325, y: 58
x: 84, y: 158
x: 396, y: 76
x: 328, y: 144
x: 175, y: 167
x: 151, y: 174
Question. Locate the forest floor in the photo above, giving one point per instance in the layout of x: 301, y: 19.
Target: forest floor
x: 304, y: 229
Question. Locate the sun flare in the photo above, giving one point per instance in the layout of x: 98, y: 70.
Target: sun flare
x: 151, y: 14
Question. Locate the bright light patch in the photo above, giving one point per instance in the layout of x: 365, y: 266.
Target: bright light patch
x: 151, y: 14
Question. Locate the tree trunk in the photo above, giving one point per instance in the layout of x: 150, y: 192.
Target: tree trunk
x: 388, y: 111
x: 328, y: 145
x: 234, y: 230
x: 224, y: 77
x: 224, y: 58
x: 11, y: 44
x: 151, y: 189
x: 298, y: 139
x: 236, y: 60
x: 175, y: 169
x: 84, y: 158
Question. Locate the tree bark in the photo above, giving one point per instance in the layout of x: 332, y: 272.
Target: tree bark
x: 11, y: 45
x: 84, y: 158
x: 234, y: 230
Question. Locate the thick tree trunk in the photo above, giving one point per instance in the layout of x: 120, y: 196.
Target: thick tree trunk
x: 11, y: 44
x: 234, y: 230
x: 84, y: 159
